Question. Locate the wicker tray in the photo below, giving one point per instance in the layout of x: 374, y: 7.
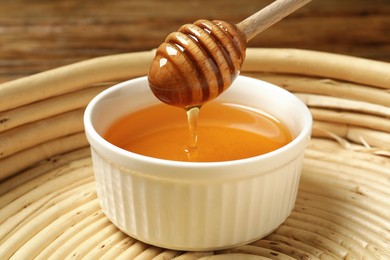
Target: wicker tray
x: 48, y: 204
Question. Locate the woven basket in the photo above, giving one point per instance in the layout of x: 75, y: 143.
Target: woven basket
x: 48, y: 204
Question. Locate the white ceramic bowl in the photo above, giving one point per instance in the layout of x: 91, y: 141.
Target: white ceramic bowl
x: 197, y: 206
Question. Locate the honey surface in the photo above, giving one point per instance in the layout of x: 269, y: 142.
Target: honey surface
x: 225, y: 132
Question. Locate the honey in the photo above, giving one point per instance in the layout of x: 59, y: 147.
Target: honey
x: 225, y: 131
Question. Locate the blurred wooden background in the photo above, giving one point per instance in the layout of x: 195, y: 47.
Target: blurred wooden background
x: 36, y: 35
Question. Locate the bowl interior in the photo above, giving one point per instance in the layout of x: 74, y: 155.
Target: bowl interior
x: 135, y: 94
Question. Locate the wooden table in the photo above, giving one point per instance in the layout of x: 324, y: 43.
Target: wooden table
x: 38, y: 35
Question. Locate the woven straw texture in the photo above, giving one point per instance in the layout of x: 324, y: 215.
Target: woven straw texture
x: 48, y: 204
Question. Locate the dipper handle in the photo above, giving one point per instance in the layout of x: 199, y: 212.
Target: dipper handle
x: 268, y: 16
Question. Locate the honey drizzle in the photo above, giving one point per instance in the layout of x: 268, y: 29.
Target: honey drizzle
x: 192, y: 146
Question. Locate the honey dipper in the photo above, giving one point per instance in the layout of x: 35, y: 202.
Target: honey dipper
x: 201, y: 60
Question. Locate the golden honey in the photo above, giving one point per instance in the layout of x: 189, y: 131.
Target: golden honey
x: 225, y: 132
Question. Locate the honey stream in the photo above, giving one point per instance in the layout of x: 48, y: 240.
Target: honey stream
x: 192, y: 146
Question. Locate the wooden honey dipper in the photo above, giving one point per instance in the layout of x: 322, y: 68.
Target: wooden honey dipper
x: 201, y: 60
